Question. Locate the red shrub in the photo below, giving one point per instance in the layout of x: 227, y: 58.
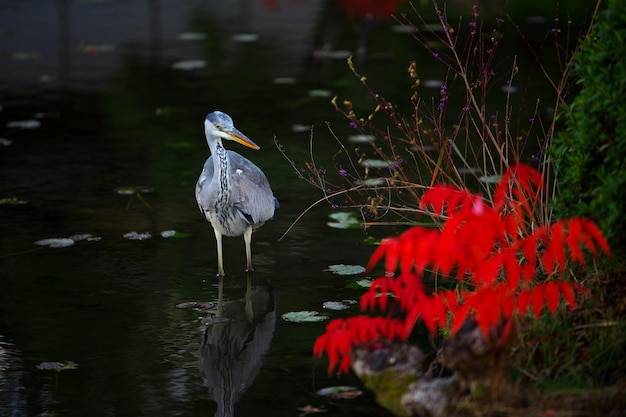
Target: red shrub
x: 495, y: 251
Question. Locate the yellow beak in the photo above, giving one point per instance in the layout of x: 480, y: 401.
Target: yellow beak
x: 239, y: 137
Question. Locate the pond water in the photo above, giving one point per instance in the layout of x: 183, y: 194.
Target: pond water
x: 110, y: 97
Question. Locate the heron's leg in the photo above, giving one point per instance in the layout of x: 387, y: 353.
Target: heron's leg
x: 247, y: 237
x: 248, y: 305
x: 220, y: 259
x: 220, y: 296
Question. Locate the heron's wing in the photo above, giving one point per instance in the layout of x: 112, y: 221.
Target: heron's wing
x: 203, y: 194
x: 252, y: 194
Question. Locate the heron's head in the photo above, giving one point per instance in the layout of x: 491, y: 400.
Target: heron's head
x: 219, y: 124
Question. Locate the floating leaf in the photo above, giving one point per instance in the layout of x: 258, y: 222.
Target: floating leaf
x: 309, y: 409
x: 303, y: 316
x: 361, y: 138
x: 196, y: 305
x: 341, y: 269
x: 5, y: 142
x: 490, y: 179
x: 168, y: 233
x: 340, y: 391
x: 335, y: 305
x: 344, y: 220
x: 24, y: 124
x: 338, y: 305
x: 376, y: 163
x: 372, y: 182
x: 326, y: 54
x: 56, y: 242
x: 137, y: 236
x: 364, y: 283
x: 298, y: 128
x: 245, y: 37
x: 191, y: 36
x: 432, y: 83
x: 320, y: 93
x: 404, y: 28
x: 83, y: 236
x: 12, y: 202
x: 133, y: 189
x: 57, y: 366
x: 189, y: 65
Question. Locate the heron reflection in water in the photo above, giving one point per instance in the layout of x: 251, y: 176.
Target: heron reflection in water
x: 235, y: 344
x: 233, y: 194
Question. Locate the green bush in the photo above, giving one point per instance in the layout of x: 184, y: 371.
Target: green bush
x: 590, y: 154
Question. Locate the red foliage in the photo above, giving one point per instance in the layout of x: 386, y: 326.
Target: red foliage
x: 494, y: 250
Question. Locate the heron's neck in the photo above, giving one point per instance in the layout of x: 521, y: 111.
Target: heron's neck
x: 220, y: 170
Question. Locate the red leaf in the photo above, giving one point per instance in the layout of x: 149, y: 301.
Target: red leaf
x: 488, y: 271
x: 537, y: 300
x: 594, y: 231
x: 573, y: 240
x: 459, y: 318
x: 424, y: 251
x: 553, y: 296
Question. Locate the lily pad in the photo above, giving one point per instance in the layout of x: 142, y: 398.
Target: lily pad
x: 376, y: 163
x: 196, y: 305
x: 320, y: 93
x: 168, y: 233
x: 361, y: 138
x: 24, y: 124
x: 364, y: 283
x: 340, y: 391
x: 344, y: 220
x: 56, y: 242
x: 5, y: 142
x: 11, y: 202
x: 189, y: 65
x: 338, y: 305
x: 299, y: 128
x: 341, y: 269
x: 191, y: 36
x: 373, y: 182
x: 303, y: 316
x: 245, y: 37
x: 432, y: 83
x: 329, y: 54
x: 133, y: 189
x: 490, y: 179
x: 137, y: 236
x: 57, y: 366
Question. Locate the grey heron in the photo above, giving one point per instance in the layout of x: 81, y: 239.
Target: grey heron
x: 233, y: 194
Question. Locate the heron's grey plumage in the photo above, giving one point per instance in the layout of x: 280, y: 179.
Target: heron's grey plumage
x: 233, y: 194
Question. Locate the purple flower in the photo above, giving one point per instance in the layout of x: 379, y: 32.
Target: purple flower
x: 343, y: 172
x: 353, y: 125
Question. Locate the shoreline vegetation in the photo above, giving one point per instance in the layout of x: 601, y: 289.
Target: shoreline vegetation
x: 503, y: 265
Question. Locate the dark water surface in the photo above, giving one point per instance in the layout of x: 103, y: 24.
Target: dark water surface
x: 103, y: 82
